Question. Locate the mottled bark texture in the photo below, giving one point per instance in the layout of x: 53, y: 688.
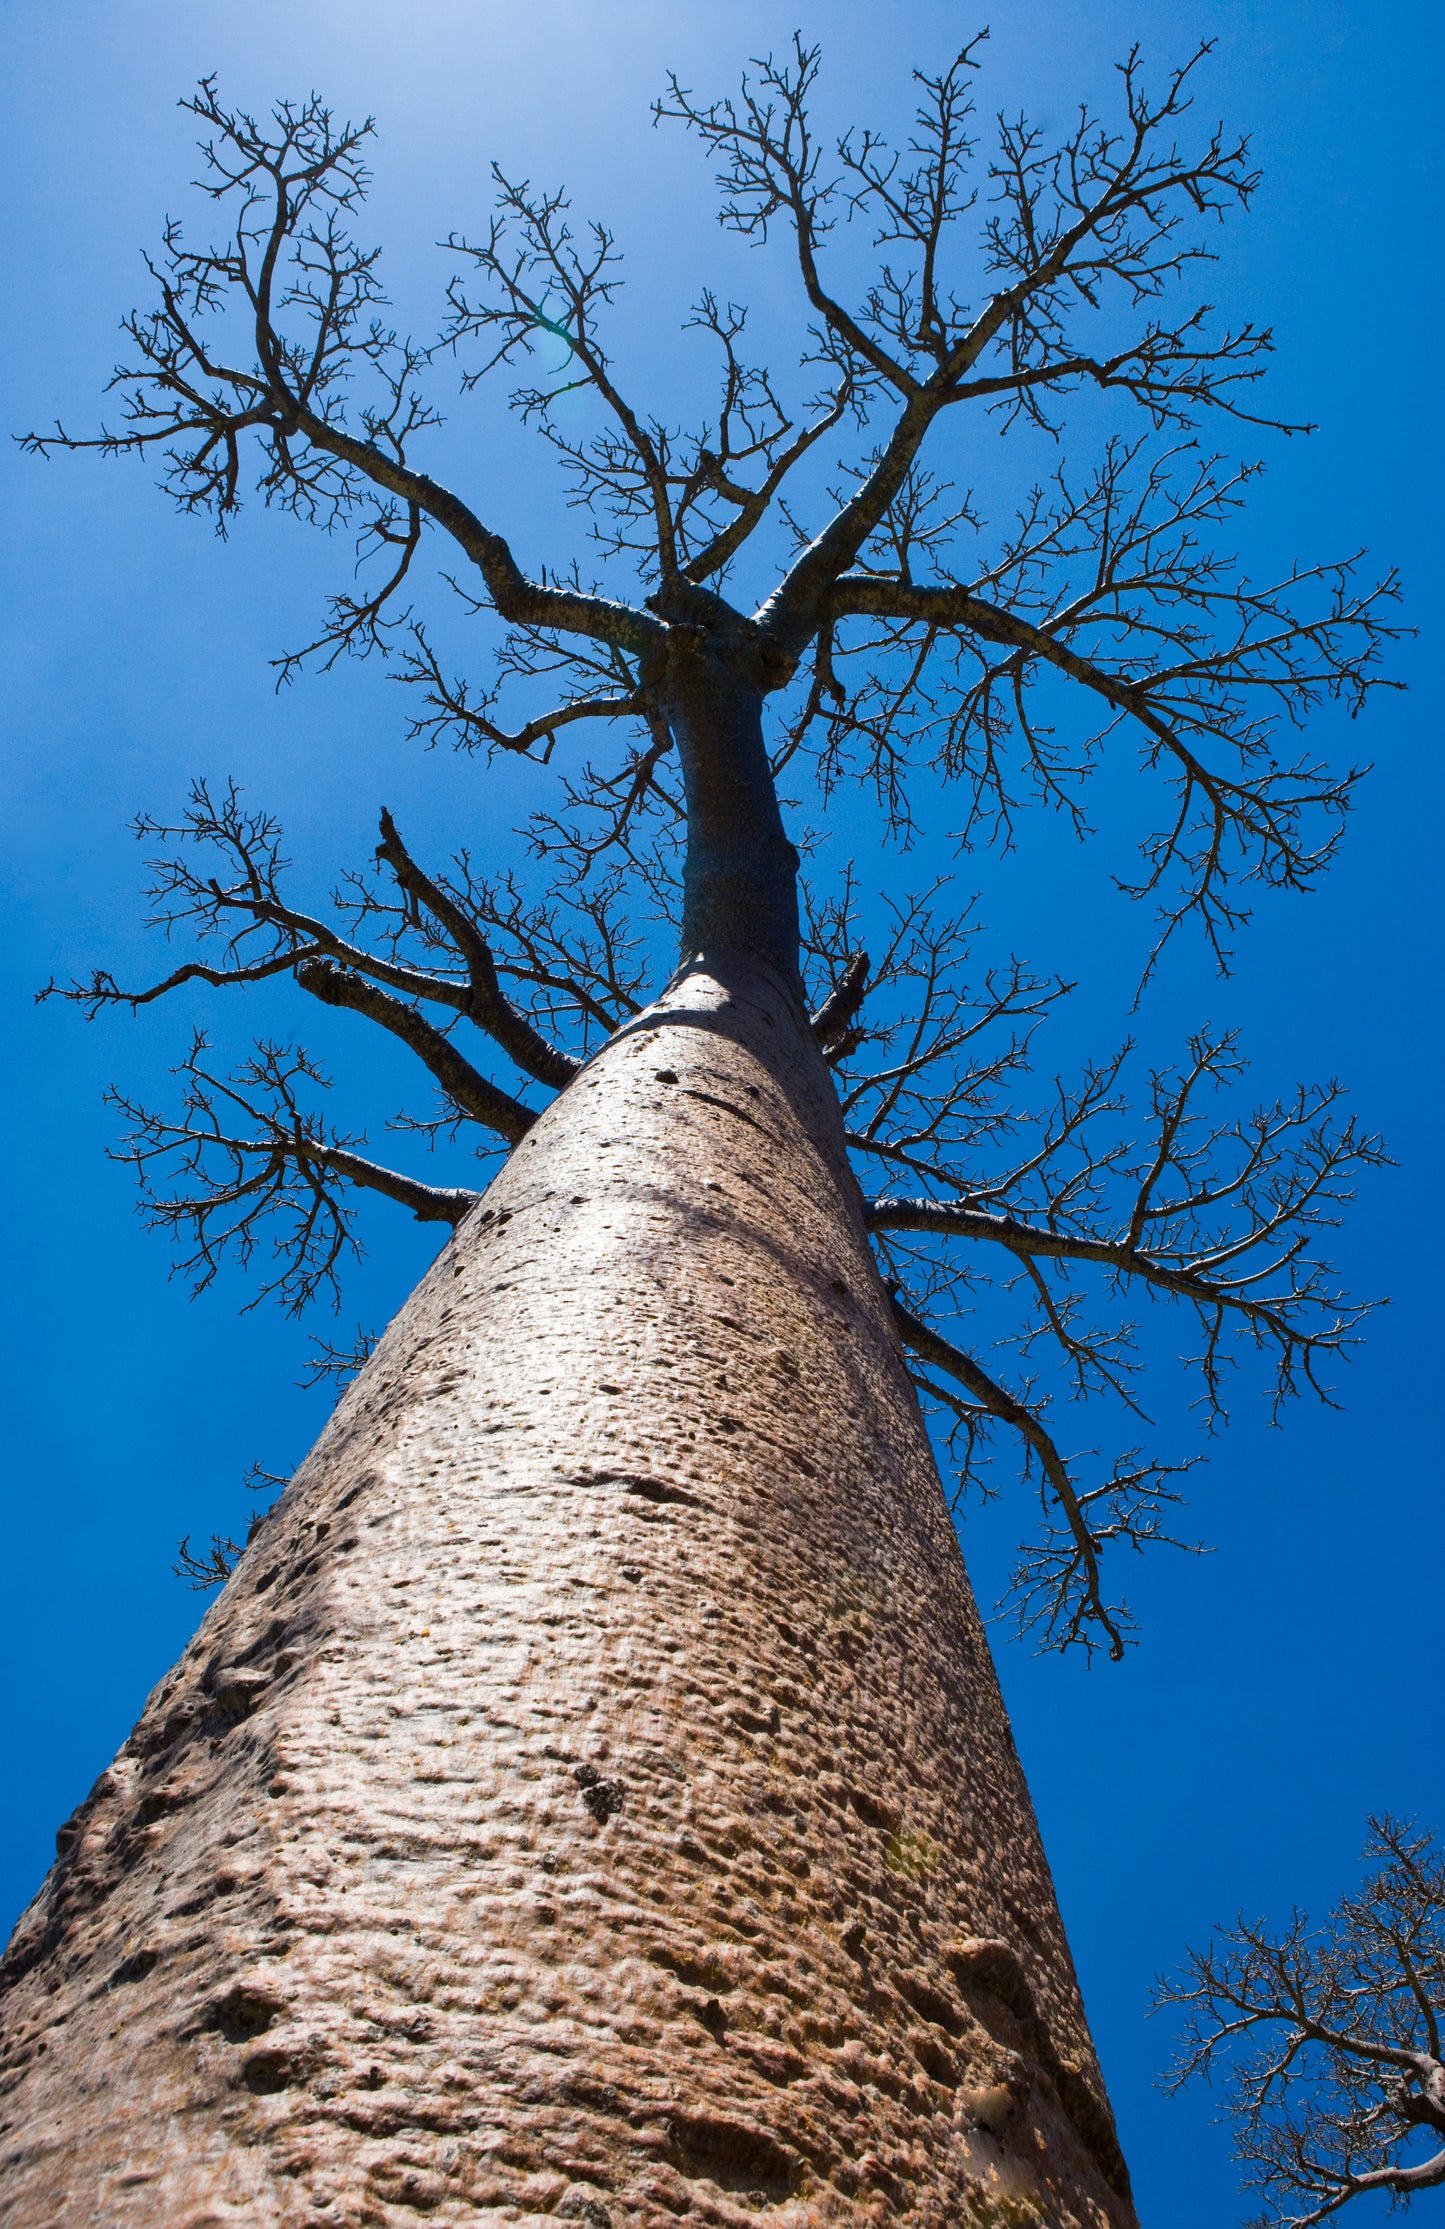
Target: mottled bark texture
x: 590, y: 1798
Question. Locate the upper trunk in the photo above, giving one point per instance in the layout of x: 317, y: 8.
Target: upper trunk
x: 740, y: 884
x: 591, y: 1795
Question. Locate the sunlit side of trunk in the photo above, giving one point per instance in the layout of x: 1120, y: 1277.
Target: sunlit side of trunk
x: 591, y: 1791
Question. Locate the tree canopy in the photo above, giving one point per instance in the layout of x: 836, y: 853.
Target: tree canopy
x: 806, y: 535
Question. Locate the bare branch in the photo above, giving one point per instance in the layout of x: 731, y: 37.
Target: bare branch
x: 338, y: 1363
x: 488, y: 1006
x: 834, y: 1018
x: 1102, y: 214
x: 329, y: 965
x: 1057, y: 1587
x: 1217, y: 1212
x: 1219, y: 1278
x: 212, y: 1568
x: 221, y: 1187
x: 455, y: 712
x: 1152, y: 591
x: 1220, y: 1215
x: 244, y: 910
x: 471, y: 1091
x: 309, y: 294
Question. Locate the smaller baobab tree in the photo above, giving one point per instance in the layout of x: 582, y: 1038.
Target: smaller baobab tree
x: 1329, y: 2038
x: 602, y: 1718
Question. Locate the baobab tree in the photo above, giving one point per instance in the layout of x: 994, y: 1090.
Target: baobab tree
x: 1329, y: 2038
x: 590, y: 1795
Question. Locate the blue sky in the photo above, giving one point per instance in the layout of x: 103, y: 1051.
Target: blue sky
x: 1283, y: 1686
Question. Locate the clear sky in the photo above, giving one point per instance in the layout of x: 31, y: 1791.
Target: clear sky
x: 1285, y: 1685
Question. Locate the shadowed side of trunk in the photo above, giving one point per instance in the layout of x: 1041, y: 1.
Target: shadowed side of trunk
x: 740, y: 878
x: 590, y: 1797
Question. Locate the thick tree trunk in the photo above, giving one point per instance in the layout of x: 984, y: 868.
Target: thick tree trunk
x: 590, y: 1797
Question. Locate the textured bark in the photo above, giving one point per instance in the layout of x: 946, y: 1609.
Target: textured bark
x: 590, y: 1797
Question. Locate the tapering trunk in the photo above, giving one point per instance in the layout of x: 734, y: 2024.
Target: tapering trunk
x: 590, y: 1797
x: 740, y: 884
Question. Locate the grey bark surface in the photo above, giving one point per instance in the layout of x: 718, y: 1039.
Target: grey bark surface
x: 590, y: 1797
